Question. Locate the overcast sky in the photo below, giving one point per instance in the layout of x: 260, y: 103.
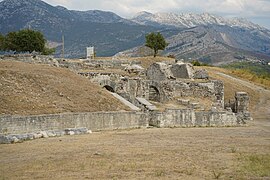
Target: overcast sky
x: 257, y: 11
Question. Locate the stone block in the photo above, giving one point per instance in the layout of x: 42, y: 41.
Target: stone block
x: 201, y: 74
x: 159, y: 71
x: 182, y: 70
x: 44, y: 134
x: 241, y: 102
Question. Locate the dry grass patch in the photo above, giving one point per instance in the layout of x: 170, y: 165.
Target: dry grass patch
x: 175, y: 153
x: 40, y: 89
x: 231, y: 86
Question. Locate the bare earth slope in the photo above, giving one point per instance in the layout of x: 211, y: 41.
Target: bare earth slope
x: 40, y: 89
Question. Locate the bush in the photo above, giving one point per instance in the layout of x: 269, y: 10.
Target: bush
x: 198, y: 63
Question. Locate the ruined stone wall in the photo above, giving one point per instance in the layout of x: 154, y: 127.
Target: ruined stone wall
x: 116, y: 120
x: 28, y: 58
x: 114, y: 64
x: 190, y: 118
x: 130, y: 88
x: 93, y: 121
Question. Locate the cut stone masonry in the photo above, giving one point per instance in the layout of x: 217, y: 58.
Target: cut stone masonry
x: 160, y: 83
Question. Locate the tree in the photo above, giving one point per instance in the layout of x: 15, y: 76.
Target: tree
x: 1, y: 42
x: 26, y: 40
x: 156, y: 42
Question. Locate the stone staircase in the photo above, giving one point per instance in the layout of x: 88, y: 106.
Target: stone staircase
x: 126, y: 102
x: 146, y: 104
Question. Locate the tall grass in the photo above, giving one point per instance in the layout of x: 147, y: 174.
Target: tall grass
x: 254, y: 72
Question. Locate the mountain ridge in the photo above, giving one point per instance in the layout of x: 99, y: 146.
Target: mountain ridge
x: 188, y: 20
x: 194, y: 33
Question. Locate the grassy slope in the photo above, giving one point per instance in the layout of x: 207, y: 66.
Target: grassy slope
x: 40, y: 89
x: 255, y: 72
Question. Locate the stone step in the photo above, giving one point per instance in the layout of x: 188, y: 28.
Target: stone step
x: 126, y: 102
x: 146, y: 103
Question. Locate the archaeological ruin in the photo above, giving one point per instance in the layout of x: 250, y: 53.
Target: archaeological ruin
x: 165, y: 94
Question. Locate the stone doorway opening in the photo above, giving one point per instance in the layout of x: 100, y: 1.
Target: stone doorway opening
x: 154, y: 94
x: 109, y: 88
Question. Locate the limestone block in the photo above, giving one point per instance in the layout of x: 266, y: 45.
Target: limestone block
x: 37, y: 135
x: 51, y: 133
x: 15, y: 140
x: 182, y: 70
x: 59, y: 133
x: 201, y: 74
x: 159, y: 71
x: 184, y: 102
x: 241, y: 102
x: 134, y: 68
x: 73, y: 131
x: 44, y: 134
x: 5, y: 139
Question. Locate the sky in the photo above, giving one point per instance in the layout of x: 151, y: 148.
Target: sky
x: 257, y: 11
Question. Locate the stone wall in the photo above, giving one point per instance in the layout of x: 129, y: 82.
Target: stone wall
x: 114, y: 64
x: 190, y: 118
x: 116, y: 120
x: 130, y: 88
x: 29, y: 58
x: 94, y: 121
x: 73, y: 64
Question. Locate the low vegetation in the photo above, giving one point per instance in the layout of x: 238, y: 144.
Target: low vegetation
x: 198, y: 63
x: 254, y: 72
x: 256, y: 165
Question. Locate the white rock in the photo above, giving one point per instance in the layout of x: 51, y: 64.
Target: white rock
x: 71, y: 133
x: 44, y: 134
x: 15, y: 140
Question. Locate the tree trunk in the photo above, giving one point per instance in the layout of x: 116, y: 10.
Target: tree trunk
x: 155, y: 52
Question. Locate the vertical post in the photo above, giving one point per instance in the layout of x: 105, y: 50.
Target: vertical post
x: 63, y: 46
x: 241, y: 102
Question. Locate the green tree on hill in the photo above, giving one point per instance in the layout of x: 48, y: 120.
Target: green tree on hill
x: 1, y: 42
x: 26, y: 40
x: 156, y: 42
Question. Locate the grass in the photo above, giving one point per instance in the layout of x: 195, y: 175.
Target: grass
x: 254, y: 72
x: 233, y: 149
x: 263, y: 80
x: 216, y: 174
x: 159, y: 173
x: 30, y: 89
x: 257, y: 165
x: 185, y: 153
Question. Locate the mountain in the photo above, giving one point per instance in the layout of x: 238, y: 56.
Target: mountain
x: 216, y: 44
x: 207, y: 37
x: 189, y: 20
x: 108, y: 32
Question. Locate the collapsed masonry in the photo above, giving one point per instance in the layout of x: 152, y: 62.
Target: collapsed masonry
x: 178, y: 83
x: 197, y: 100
